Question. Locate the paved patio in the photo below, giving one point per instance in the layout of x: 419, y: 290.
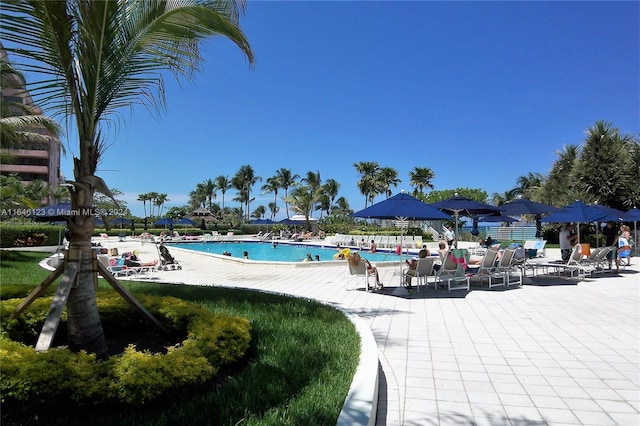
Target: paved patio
x: 554, y: 352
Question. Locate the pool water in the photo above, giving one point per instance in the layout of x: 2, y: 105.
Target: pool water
x: 281, y: 253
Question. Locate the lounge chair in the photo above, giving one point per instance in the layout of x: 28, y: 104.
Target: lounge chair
x: 453, y: 273
x: 573, y: 266
x: 487, y: 267
x: 508, y: 267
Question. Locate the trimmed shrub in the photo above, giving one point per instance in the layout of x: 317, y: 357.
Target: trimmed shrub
x: 133, y: 377
x: 29, y: 235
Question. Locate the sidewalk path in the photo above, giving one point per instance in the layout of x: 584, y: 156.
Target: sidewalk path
x: 557, y: 352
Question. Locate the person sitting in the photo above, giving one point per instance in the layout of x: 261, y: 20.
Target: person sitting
x: 133, y: 261
x: 354, y: 260
x: 309, y: 258
x: 623, y: 252
x: 245, y: 254
x: 317, y: 258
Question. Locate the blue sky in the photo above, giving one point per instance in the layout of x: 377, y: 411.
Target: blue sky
x: 480, y: 92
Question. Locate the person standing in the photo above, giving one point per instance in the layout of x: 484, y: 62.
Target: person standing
x: 450, y: 236
x: 567, y: 240
x: 611, y: 240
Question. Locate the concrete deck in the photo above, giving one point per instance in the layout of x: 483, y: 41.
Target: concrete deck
x: 553, y: 352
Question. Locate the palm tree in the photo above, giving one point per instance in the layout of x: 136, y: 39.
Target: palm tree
x: 209, y: 188
x: 144, y: 198
x: 367, y: 184
x: 302, y: 200
x: 272, y: 184
x: 331, y: 188
x: 243, y: 181
x: 36, y: 192
x: 259, y: 212
x: 559, y: 188
x: 223, y: 184
x: 342, y: 204
x: 274, y: 209
x: 159, y: 201
x: 604, y: 168
x: 198, y: 197
x: 152, y: 201
x: 287, y: 180
x: 387, y: 177
x: 99, y: 57
x: 420, y: 178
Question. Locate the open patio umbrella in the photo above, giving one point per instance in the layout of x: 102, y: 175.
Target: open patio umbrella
x: 185, y: 221
x: 402, y: 207
x: 522, y: 206
x: 164, y: 222
x: 577, y: 212
x: 121, y: 221
x: 463, y: 206
x: 496, y: 218
x: 634, y: 215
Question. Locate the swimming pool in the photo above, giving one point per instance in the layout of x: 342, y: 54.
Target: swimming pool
x: 283, y: 252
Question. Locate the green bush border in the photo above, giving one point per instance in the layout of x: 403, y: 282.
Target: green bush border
x: 133, y: 377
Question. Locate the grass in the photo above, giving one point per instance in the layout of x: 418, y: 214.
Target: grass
x: 298, y: 370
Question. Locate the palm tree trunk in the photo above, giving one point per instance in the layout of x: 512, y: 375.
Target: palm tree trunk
x: 84, y: 330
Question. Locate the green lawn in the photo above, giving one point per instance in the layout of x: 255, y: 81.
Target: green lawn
x: 297, y: 372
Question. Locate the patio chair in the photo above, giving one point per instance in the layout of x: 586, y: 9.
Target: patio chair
x: 508, y: 267
x: 424, y: 269
x: 573, y: 266
x: 453, y: 273
x: 357, y: 272
x: 487, y: 267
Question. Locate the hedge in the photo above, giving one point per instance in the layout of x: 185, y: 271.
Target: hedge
x: 133, y: 377
x: 30, y: 235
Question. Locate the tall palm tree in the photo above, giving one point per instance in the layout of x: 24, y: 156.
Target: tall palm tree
x: 144, y: 198
x: 159, y: 201
x: 152, y: 201
x: 387, y: 177
x: 209, y: 187
x: 244, y: 180
x: 274, y: 209
x: 367, y: 184
x: 420, y: 178
x: 272, y: 184
x: 223, y: 184
x: 331, y: 188
x: 99, y: 57
x: 287, y: 180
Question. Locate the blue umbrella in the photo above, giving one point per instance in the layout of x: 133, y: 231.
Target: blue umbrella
x: 522, y: 206
x: 262, y: 222
x: 463, y: 206
x: 577, y: 212
x: 121, y: 221
x: 634, y: 215
x: 53, y: 213
x: 402, y: 206
x: 288, y: 221
x: 497, y: 218
x: 185, y: 221
x: 614, y: 214
x: 163, y: 222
